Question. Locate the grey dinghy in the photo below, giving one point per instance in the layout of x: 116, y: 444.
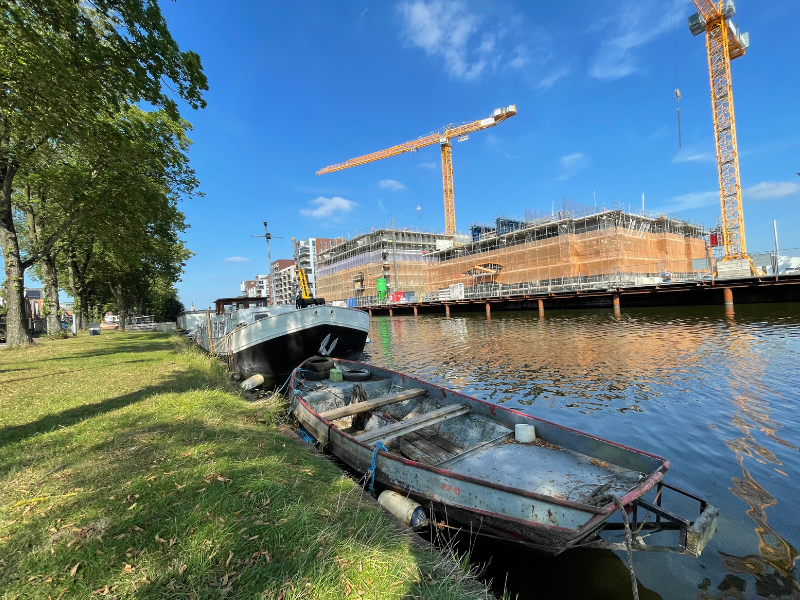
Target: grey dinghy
x: 457, y: 456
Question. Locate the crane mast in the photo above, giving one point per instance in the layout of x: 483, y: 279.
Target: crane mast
x: 724, y: 43
x: 442, y: 137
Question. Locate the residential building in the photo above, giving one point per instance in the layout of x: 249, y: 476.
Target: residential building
x: 305, y: 256
x: 246, y: 286
x: 284, y: 273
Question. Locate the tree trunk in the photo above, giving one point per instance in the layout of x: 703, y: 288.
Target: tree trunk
x: 52, y: 306
x: 119, y: 296
x: 17, y: 333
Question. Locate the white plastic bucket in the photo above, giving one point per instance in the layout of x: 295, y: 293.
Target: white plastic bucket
x: 525, y: 434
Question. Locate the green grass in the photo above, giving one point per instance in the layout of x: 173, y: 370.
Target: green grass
x: 130, y: 467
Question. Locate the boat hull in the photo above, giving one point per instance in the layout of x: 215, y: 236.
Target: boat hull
x: 279, y: 355
x: 542, y: 523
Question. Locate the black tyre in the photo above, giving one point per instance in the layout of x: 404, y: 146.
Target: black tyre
x: 356, y: 375
x: 317, y: 375
x: 318, y: 363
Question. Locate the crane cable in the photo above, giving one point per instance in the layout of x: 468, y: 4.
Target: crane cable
x: 677, y: 80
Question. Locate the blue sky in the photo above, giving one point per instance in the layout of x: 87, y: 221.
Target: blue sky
x: 299, y: 86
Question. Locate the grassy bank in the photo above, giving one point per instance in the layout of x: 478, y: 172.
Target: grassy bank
x: 131, y: 467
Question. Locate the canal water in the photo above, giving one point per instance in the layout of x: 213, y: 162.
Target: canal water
x: 718, y: 394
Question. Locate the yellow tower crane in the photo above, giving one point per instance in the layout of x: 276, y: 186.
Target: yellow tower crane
x: 442, y: 137
x: 724, y: 44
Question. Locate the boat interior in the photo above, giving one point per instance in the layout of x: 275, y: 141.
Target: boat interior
x: 451, y: 436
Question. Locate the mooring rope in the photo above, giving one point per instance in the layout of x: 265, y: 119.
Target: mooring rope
x: 371, y: 473
x: 628, y: 547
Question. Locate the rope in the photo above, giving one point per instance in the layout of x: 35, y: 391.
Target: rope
x: 371, y: 472
x: 628, y: 547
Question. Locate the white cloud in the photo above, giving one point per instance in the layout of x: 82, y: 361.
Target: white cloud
x: 428, y: 165
x: 391, y: 184
x: 571, y: 164
x: 550, y: 80
x: 690, y: 201
x: 638, y: 23
x: 444, y: 28
x: 237, y: 259
x: 521, y: 58
x: 689, y: 155
x: 328, y: 207
x: 451, y: 30
x: 766, y: 190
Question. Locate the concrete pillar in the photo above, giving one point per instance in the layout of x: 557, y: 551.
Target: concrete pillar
x: 447, y: 310
x: 728, y: 296
x: 415, y: 311
x: 391, y: 312
x: 488, y: 310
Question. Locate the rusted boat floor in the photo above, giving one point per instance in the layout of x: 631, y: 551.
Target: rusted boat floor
x: 553, y: 472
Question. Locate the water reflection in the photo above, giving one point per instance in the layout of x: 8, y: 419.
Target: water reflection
x: 715, y: 393
x: 772, y: 569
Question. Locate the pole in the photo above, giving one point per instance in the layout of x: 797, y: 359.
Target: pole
x: 394, y: 255
x: 269, y: 258
x: 642, y: 202
x: 777, y: 257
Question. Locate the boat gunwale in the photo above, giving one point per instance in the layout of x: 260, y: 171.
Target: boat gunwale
x: 640, y: 490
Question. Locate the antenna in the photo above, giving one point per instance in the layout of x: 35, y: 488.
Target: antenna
x: 268, y: 237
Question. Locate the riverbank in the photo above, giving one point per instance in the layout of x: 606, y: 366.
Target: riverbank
x: 131, y: 467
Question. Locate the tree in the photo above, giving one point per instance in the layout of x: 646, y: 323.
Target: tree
x: 66, y: 66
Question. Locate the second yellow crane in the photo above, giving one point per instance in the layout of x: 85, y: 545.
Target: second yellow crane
x: 724, y: 43
x: 442, y: 137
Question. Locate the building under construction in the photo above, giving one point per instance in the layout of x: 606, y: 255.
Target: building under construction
x: 586, y: 242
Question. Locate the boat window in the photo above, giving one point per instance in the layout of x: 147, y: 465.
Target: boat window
x: 259, y: 316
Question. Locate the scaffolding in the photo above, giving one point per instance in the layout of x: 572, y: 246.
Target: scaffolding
x: 350, y: 269
x: 577, y: 242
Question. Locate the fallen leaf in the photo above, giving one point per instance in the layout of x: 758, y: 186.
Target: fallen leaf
x: 103, y: 590
x: 132, y: 506
x: 173, y: 541
x: 160, y: 539
x: 74, y: 570
x: 320, y: 553
x: 127, y: 569
x: 255, y: 537
x: 182, y: 569
x: 227, y: 562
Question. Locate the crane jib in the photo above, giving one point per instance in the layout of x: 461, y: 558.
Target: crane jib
x: 442, y: 137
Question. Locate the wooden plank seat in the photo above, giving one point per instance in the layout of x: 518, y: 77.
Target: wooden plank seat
x: 367, y: 405
x: 389, y: 432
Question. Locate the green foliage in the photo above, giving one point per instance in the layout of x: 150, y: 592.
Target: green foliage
x: 71, y: 76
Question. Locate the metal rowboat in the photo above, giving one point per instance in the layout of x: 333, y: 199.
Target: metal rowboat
x: 457, y: 456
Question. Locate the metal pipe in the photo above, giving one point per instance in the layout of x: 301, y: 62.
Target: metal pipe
x: 777, y: 256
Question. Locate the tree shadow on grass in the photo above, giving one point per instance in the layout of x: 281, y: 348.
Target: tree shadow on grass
x: 179, y: 382
x: 128, y: 347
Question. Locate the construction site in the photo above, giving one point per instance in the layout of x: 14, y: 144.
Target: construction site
x: 577, y: 242
x: 575, y: 249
